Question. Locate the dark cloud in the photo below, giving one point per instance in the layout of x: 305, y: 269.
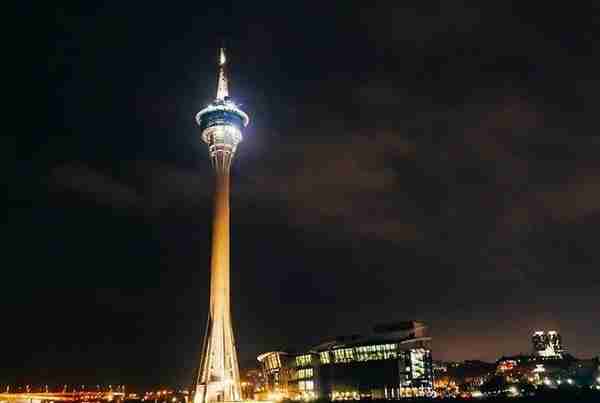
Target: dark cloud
x: 575, y: 200
x: 348, y: 181
x: 99, y: 187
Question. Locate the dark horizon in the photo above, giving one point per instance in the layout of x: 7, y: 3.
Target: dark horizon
x: 428, y: 162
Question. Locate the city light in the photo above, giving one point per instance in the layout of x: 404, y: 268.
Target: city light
x: 276, y: 396
x: 405, y: 163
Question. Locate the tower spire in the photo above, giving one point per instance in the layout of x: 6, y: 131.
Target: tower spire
x: 222, y: 86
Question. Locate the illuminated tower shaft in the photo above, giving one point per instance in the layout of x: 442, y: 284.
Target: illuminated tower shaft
x: 221, y: 123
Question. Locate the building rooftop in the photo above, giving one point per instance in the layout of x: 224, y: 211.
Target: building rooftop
x: 395, y: 332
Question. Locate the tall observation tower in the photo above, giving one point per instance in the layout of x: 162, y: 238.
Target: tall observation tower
x: 221, y: 124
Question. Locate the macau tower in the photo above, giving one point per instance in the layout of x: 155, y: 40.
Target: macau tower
x: 221, y: 124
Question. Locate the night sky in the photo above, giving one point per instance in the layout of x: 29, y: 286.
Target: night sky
x: 431, y: 162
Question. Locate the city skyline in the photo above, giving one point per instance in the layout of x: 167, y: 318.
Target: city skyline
x: 426, y: 162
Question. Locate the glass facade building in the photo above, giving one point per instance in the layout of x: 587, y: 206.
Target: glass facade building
x: 394, y: 362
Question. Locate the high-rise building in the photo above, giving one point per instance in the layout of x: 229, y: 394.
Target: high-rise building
x: 555, y: 342
x: 547, y: 345
x: 221, y: 124
x: 539, y: 341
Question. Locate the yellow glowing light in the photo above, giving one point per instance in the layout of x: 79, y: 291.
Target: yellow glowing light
x: 276, y: 396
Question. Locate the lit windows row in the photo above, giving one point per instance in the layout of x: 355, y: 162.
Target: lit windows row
x: 304, y: 373
x: 273, y: 361
x: 306, y: 385
x: 378, y: 347
x: 343, y: 355
x: 303, y: 360
x: 362, y: 353
x: 345, y: 395
x: 378, y: 352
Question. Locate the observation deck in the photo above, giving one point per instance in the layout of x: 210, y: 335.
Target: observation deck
x: 221, y: 124
x: 221, y: 113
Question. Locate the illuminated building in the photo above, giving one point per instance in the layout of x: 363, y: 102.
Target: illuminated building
x: 547, y: 345
x: 392, y: 363
x: 516, y: 368
x: 555, y: 342
x: 506, y: 365
x: 275, y: 366
x: 221, y: 124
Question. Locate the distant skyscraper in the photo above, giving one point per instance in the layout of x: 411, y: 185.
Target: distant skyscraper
x: 221, y: 124
x: 539, y: 341
x: 547, y: 345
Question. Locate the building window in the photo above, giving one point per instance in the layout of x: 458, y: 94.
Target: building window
x: 306, y: 385
x: 343, y: 355
x: 305, y: 373
x: 417, y: 362
x: 376, y: 352
x: 303, y: 360
x: 273, y: 361
x: 325, y: 357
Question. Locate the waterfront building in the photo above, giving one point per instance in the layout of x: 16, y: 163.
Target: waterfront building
x: 393, y: 362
